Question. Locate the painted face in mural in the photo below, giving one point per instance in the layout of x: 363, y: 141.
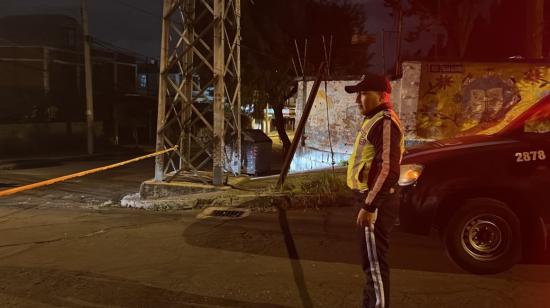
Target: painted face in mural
x: 368, y: 100
x: 486, y: 101
x: 486, y: 104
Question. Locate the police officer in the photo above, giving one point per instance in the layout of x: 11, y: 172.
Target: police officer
x: 373, y: 172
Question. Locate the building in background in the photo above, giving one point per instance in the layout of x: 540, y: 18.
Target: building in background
x: 42, y: 95
x: 267, y: 124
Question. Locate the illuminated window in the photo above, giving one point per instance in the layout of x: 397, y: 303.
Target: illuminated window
x: 142, y: 81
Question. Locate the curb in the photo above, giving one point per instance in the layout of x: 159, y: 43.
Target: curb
x: 266, y: 202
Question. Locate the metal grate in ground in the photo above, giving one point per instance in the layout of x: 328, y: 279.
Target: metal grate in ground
x: 224, y: 213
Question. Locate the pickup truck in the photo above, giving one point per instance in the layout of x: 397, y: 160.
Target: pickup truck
x: 488, y: 196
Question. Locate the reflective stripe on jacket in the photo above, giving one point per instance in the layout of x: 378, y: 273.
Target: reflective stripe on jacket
x: 364, y: 152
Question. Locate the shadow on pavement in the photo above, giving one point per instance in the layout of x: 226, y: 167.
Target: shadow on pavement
x: 84, y: 289
x: 325, y: 235
x: 297, y: 270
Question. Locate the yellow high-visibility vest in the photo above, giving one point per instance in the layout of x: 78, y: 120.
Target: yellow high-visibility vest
x: 361, y: 158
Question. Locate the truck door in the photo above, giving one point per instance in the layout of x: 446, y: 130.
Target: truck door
x: 534, y: 157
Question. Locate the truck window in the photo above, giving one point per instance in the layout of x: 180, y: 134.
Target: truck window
x: 539, y: 122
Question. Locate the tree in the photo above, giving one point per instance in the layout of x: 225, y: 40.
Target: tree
x: 269, y: 29
x: 266, y: 84
x: 458, y: 17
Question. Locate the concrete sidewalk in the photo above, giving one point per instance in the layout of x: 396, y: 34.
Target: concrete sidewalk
x: 306, y: 189
x: 121, y: 186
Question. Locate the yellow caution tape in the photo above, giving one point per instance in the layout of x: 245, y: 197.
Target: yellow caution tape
x: 15, y: 190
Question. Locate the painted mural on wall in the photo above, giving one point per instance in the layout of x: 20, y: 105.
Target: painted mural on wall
x: 476, y: 98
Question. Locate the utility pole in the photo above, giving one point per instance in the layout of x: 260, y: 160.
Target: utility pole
x: 88, y: 73
x: 161, y: 120
x: 300, y: 129
x: 46, y: 66
x: 239, y: 81
x: 219, y: 93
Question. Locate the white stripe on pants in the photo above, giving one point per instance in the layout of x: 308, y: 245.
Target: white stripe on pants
x: 375, y: 267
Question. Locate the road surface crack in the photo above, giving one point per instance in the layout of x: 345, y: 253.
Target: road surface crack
x: 88, y: 235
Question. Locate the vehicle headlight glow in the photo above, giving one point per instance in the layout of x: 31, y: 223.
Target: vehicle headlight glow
x: 409, y: 174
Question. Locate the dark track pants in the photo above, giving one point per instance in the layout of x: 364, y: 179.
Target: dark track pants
x: 375, y: 244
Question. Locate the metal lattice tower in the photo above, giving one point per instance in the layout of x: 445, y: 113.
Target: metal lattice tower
x: 199, y: 51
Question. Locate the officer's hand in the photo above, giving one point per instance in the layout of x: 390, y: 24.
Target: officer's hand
x: 365, y: 218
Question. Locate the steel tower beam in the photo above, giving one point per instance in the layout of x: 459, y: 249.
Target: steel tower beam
x: 200, y: 52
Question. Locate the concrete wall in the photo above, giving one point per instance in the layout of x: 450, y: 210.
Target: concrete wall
x: 434, y: 101
x: 409, y: 89
x: 44, y: 138
x: 343, y: 115
x: 343, y: 122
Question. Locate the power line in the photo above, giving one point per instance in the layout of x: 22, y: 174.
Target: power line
x: 137, y: 8
x: 263, y: 53
x: 160, y: 16
x: 156, y: 15
x: 113, y: 47
x: 108, y: 45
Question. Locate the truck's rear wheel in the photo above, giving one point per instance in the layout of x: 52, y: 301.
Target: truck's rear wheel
x: 483, y: 237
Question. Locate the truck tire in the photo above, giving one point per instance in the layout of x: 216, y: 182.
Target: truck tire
x: 484, y: 237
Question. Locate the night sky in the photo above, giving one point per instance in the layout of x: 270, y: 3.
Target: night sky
x: 136, y: 25
x: 131, y: 24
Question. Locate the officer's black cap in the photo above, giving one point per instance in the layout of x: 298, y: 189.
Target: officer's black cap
x: 371, y: 82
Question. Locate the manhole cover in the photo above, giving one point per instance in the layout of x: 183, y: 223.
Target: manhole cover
x: 224, y: 213
x: 232, y: 214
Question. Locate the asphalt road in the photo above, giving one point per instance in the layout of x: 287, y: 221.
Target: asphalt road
x: 106, y: 187
x: 59, y: 247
